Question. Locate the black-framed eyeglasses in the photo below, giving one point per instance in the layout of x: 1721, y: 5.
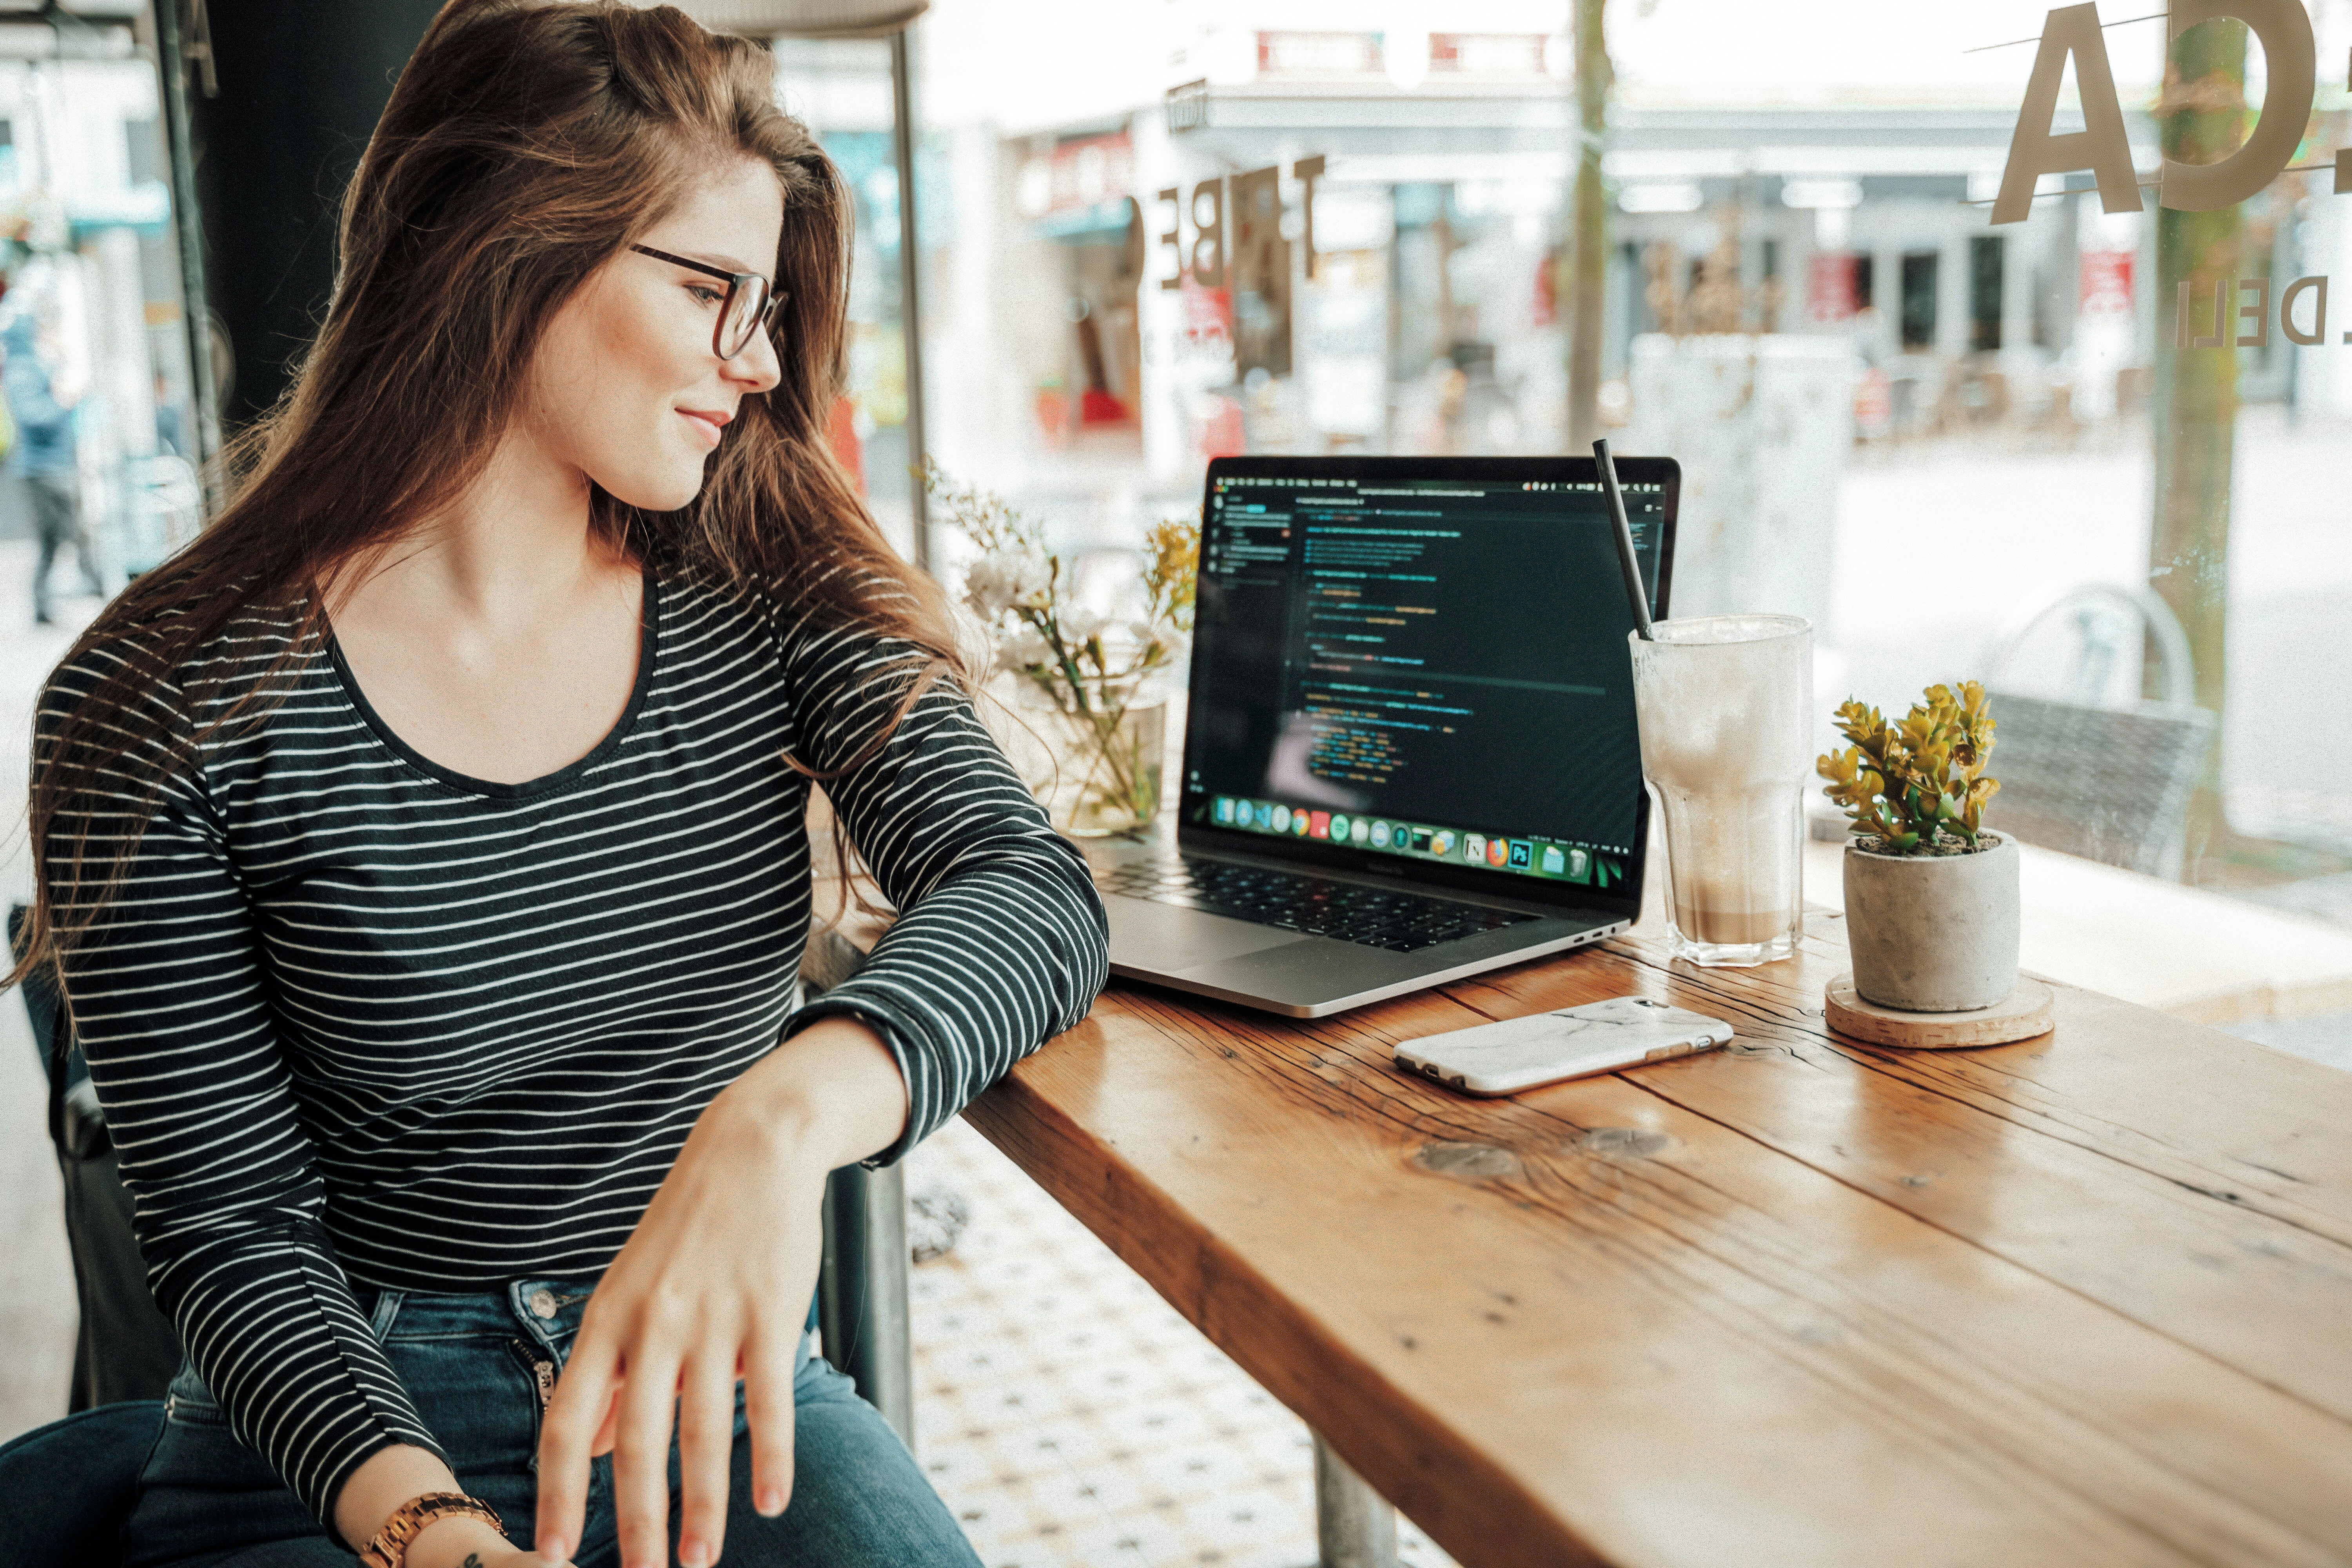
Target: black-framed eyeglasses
x: 751, y: 303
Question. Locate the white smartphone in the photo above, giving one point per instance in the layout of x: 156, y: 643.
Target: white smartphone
x: 1575, y: 1042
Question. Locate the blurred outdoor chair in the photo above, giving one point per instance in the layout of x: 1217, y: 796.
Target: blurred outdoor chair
x: 1917, y: 384
x: 1979, y: 395
x: 2062, y: 424
x: 2134, y: 382
x: 2087, y: 766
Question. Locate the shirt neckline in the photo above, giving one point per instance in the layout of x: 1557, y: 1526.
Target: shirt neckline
x: 562, y: 778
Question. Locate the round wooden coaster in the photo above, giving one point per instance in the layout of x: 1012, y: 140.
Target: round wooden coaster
x: 2022, y: 1015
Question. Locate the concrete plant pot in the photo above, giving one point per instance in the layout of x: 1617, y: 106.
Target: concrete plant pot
x: 1933, y: 933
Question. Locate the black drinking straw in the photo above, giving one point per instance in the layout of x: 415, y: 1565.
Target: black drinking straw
x: 1634, y: 593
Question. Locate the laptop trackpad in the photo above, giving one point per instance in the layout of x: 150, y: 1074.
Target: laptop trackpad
x: 1145, y: 935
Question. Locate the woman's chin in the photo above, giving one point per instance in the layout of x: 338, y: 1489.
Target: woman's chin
x: 664, y: 492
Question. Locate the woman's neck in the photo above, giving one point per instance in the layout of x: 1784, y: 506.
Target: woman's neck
x: 516, y: 542
x: 501, y: 638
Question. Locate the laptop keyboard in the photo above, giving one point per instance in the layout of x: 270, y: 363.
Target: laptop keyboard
x: 1401, y: 922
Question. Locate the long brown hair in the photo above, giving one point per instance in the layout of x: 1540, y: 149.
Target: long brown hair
x: 525, y: 144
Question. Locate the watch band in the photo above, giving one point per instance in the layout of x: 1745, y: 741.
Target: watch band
x: 389, y: 1549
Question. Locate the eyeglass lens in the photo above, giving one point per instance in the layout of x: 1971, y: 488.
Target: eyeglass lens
x: 746, y: 312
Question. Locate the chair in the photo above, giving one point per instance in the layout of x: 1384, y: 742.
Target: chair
x: 864, y: 1313
x: 2107, y: 786
x: 126, y: 1349
x: 2089, y: 772
x: 70, y: 1484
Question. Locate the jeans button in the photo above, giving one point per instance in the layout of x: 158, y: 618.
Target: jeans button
x: 543, y: 1303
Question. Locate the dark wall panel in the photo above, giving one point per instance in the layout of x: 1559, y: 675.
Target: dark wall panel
x: 301, y: 83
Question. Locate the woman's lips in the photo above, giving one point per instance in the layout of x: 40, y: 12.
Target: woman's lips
x: 707, y: 426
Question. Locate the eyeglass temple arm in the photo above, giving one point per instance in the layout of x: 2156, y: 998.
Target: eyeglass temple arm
x: 681, y: 261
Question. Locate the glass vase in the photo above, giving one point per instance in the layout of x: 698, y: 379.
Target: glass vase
x: 1104, y: 739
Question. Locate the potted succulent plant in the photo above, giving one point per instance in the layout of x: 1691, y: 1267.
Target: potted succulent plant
x: 1931, y: 907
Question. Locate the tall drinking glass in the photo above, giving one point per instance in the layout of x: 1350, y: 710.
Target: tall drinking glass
x: 1724, y: 705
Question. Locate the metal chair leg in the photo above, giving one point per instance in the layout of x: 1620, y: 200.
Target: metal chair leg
x: 862, y: 1305
x: 1354, y: 1525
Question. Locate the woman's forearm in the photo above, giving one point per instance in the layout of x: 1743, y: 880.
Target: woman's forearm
x: 834, y: 1089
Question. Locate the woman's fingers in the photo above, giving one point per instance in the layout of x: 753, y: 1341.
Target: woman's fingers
x: 602, y: 1444
x: 566, y: 1442
x: 706, y: 1442
x: 641, y: 1459
x: 769, y: 1359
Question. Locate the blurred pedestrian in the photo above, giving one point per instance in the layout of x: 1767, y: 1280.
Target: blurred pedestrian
x: 170, y: 432
x: 41, y: 399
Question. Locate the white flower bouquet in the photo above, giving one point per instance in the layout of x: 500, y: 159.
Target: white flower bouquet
x: 1095, y: 676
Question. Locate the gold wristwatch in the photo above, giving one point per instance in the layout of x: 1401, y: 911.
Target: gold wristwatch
x: 390, y: 1547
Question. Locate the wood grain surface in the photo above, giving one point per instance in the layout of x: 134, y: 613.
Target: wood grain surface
x: 2083, y: 1299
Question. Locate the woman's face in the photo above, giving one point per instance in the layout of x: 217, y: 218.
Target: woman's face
x: 626, y: 388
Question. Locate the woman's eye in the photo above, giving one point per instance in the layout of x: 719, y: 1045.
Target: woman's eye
x: 704, y: 295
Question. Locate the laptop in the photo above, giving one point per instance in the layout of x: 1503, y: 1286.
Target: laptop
x: 1410, y: 752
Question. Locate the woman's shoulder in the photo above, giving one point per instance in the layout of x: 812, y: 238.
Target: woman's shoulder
x: 826, y: 604
x: 165, y: 660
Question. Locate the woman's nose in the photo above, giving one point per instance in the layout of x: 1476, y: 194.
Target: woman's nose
x: 756, y: 368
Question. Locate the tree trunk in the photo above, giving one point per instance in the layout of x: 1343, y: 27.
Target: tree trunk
x: 1588, y: 233
x: 2195, y: 413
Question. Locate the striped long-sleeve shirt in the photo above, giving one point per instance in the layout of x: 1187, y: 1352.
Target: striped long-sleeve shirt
x: 354, y: 1017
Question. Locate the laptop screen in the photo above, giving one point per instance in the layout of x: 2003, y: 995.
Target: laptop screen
x: 1423, y: 661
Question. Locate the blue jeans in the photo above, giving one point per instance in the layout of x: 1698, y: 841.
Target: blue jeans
x: 472, y: 1364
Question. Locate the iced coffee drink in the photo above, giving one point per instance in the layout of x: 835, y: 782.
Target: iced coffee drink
x: 1724, y: 705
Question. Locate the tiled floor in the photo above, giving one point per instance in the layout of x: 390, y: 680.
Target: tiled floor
x: 1072, y: 1418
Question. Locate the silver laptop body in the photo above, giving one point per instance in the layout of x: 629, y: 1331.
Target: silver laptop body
x: 1417, y: 667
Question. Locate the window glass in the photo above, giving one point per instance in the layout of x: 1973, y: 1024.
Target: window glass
x: 1963, y: 448
x: 842, y: 89
x: 89, y: 262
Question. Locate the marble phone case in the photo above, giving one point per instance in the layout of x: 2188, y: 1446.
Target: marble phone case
x: 1575, y: 1042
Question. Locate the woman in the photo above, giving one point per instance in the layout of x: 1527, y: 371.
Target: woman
x: 425, y: 855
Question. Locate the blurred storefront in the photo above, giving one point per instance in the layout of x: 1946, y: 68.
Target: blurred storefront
x: 1959, y: 447
x: 88, y: 252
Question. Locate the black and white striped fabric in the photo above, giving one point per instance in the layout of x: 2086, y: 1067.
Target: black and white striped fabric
x: 355, y: 1017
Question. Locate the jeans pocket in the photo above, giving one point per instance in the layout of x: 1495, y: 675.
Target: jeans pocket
x: 188, y: 1402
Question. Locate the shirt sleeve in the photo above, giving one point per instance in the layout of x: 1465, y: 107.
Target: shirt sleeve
x: 171, y: 1008
x: 1002, y: 941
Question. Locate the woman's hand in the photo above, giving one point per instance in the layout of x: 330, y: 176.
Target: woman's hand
x: 467, y: 1543
x: 714, y: 1284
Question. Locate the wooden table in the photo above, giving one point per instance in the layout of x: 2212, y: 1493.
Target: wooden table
x: 2083, y: 1299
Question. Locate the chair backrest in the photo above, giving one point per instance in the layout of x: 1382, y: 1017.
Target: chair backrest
x: 2113, y: 630
x: 127, y: 1349
x: 2109, y: 785
x: 69, y: 1485
x: 51, y: 1039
